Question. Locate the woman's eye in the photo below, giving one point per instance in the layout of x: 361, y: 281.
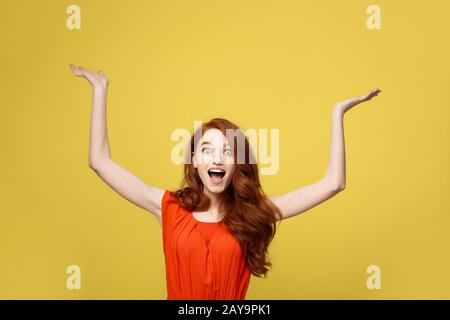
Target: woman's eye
x: 228, y: 152
x: 205, y: 149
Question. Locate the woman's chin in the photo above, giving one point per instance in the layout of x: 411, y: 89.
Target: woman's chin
x: 216, y: 188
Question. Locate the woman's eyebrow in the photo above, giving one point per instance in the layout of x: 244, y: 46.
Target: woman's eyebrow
x: 207, y: 142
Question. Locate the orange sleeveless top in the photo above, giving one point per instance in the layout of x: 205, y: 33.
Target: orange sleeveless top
x: 203, y: 260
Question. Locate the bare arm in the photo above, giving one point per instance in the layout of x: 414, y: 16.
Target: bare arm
x: 307, y: 197
x: 117, y: 177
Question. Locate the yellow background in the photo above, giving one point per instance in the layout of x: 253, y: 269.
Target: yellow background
x: 262, y: 64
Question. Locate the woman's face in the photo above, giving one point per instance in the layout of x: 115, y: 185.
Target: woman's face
x: 214, y: 161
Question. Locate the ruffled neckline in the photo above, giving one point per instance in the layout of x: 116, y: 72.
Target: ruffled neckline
x: 191, y: 216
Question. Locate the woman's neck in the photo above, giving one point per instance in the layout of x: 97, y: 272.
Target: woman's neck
x: 216, y: 200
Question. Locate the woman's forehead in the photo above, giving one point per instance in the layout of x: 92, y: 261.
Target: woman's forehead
x: 213, y: 136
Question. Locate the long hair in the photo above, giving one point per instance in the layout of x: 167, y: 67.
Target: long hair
x: 248, y: 214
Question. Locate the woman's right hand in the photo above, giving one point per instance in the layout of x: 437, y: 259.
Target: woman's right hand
x: 97, y: 80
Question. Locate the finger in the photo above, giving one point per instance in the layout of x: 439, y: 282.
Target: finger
x: 74, y: 68
x: 101, y: 74
x: 82, y: 70
x: 87, y: 74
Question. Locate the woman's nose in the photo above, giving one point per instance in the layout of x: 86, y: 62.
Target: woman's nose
x: 218, y: 157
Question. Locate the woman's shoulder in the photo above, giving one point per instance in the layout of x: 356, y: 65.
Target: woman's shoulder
x: 168, y: 194
x: 170, y: 202
x: 172, y: 212
x: 168, y: 199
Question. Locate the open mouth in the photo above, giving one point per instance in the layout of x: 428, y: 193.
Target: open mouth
x: 216, y: 175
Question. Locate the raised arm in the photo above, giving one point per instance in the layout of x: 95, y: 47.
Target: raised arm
x: 118, y: 178
x: 307, y: 197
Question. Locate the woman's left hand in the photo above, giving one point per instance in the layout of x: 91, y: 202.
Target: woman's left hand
x: 370, y: 95
x: 345, y: 105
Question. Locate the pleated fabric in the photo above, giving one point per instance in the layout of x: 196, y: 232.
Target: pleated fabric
x: 203, y: 260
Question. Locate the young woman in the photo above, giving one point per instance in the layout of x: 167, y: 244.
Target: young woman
x: 217, y: 227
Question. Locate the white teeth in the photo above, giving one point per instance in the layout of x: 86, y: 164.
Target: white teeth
x: 216, y: 170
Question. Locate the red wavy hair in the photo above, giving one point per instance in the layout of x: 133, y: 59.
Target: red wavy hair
x: 249, y: 215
